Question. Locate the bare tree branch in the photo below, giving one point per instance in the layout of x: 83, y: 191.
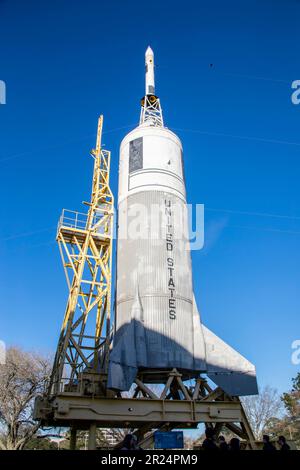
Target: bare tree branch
x: 261, y: 409
x: 23, y: 377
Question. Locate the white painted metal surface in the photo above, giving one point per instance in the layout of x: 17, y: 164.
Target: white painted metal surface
x: 157, y: 165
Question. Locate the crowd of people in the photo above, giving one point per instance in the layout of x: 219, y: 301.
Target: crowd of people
x: 130, y: 442
x: 212, y: 443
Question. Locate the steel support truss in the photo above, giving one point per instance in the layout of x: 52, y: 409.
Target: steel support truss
x: 85, y: 243
x: 176, y: 405
x: 151, y: 112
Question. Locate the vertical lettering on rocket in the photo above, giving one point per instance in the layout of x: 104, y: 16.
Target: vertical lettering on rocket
x: 170, y: 260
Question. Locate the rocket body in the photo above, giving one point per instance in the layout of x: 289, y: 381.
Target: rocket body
x: 158, y: 325
x: 154, y: 276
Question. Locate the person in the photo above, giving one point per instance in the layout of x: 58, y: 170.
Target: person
x: 128, y: 442
x: 268, y: 446
x: 135, y: 443
x: 282, y: 443
x: 234, y: 444
x: 222, y: 443
x: 209, y: 442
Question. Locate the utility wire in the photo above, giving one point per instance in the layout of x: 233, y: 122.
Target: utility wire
x: 243, y: 137
x: 258, y: 214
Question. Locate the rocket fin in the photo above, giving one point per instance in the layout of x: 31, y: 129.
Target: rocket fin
x: 226, y: 367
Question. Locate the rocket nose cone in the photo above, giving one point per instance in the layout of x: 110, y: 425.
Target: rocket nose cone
x: 149, y: 51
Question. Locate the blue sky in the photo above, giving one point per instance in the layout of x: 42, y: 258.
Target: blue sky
x: 224, y: 72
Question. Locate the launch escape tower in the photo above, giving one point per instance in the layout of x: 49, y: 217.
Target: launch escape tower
x: 79, y: 395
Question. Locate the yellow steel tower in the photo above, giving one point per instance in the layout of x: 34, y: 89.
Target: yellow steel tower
x: 85, y: 243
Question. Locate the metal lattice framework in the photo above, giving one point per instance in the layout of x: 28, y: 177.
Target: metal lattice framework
x: 172, y: 405
x: 151, y: 112
x: 85, y: 243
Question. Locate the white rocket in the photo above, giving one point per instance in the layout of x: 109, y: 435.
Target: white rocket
x: 149, y: 62
x: 158, y: 325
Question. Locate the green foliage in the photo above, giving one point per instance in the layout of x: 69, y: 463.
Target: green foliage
x: 296, y: 383
x: 291, y: 400
x: 40, y: 444
x: 289, y: 425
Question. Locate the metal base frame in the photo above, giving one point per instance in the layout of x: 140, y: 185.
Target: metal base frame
x: 177, y: 405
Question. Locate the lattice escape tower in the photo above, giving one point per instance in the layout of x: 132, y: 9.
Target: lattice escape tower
x: 85, y: 243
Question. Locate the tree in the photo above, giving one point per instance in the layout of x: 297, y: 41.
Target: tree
x: 291, y: 401
x: 23, y: 377
x: 36, y: 443
x: 289, y: 425
x: 262, y: 409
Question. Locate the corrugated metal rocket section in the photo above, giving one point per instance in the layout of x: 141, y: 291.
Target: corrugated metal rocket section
x: 158, y: 325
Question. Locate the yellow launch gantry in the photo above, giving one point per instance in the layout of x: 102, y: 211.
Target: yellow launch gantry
x: 85, y: 243
x: 77, y: 395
